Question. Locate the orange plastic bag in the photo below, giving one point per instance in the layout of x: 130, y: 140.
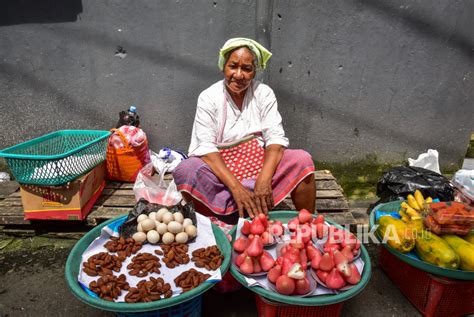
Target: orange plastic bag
x: 125, y: 163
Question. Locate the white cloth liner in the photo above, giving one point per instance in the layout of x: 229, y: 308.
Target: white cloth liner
x: 263, y: 281
x: 204, y: 238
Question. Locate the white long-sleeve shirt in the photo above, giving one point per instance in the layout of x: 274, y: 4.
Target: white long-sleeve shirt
x: 259, y: 116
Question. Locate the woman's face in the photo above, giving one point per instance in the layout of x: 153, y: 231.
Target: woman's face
x: 239, y: 70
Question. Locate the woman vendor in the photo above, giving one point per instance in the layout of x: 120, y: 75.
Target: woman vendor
x: 239, y: 157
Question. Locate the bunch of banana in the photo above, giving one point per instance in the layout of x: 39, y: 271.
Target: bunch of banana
x: 411, y: 208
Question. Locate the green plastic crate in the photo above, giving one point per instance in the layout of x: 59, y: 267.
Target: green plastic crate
x: 56, y: 158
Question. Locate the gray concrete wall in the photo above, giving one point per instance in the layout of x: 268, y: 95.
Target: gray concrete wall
x: 353, y: 77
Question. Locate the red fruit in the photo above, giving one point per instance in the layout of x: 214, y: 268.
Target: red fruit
x: 279, y: 261
x: 334, y: 280
x: 257, y: 226
x: 304, y: 216
x: 296, y: 241
x: 266, y: 261
x: 304, y: 232
x: 322, y: 275
x: 293, y: 254
x: 297, y: 272
x: 329, y: 245
x: 316, y: 260
x: 304, y: 259
x: 347, y: 252
x: 327, y: 262
x: 274, y: 274
x: 278, y: 222
x: 311, y: 251
x: 285, y: 285
x: 240, y: 259
x: 263, y: 218
x: 247, y: 266
x: 302, y: 286
x: 245, y: 228
x: 267, y: 238
x: 256, y: 266
x: 240, y: 244
x: 355, y: 277
x: 349, y: 240
x: 341, y: 264
x: 318, y: 219
x: 336, y: 235
x: 286, y: 266
x: 321, y: 230
x: 276, y: 230
x: 255, y: 248
x: 293, y: 224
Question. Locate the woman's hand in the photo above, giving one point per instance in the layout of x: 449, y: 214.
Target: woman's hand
x: 263, y: 194
x: 245, y: 200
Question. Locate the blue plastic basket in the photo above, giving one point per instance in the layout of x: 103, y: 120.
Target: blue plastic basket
x: 190, y: 308
x: 56, y: 158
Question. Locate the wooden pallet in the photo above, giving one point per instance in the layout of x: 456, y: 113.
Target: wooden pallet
x: 118, y: 199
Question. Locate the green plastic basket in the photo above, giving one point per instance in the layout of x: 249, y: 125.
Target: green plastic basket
x: 411, y: 258
x: 73, y: 264
x: 320, y: 300
x: 56, y: 158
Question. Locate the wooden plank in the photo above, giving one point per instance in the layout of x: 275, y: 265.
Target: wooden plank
x: 10, y: 201
x: 117, y: 201
x: 323, y: 174
x: 331, y: 204
x: 104, y: 213
x: 6, y: 188
x: 328, y: 194
x: 127, y: 186
x: 15, y: 194
x: 327, y: 184
x: 117, y: 192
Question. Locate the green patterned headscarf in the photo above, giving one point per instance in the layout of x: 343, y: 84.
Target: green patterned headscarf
x: 263, y: 55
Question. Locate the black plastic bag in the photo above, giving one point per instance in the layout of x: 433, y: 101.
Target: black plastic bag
x: 129, y: 227
x: 398, y: 182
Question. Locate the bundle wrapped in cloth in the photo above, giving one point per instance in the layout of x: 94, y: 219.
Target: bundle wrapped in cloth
x: 127, y: 153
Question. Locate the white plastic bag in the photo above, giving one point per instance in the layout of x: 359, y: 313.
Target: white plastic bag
x: 152, y: 187
x: 428, y: 160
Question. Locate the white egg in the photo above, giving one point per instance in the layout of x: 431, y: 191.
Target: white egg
x: 187, y: 222
x: 182, y: 237
x: 142, y: 217
x: 148, y: 225
x: 160, y: 213
x: 162, y: 228
x: 152, y: 215
x: 191, y: 230
x: 139, y: 236
x: 152, y: 236
x: 167, y: 238
x: 175, y: 227
x: 167, y: 217
x: 139, y: 227
x: 178, y: 217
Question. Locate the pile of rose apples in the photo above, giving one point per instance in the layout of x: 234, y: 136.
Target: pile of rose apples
x: 331, y: 260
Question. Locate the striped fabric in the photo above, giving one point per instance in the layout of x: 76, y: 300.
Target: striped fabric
x: 196, y: 178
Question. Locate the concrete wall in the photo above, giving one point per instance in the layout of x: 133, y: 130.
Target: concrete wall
x: 353, y: 77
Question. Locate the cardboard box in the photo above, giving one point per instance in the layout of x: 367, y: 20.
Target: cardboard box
x: 72, y: 201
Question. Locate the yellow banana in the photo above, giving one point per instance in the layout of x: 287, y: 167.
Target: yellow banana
x: 405, y: 219
x: 412, y: 212
x: 404, y: 205
x: 419, y: 199
x: 402, y: 213
x: 412, y: 202
x: 429, y: 200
